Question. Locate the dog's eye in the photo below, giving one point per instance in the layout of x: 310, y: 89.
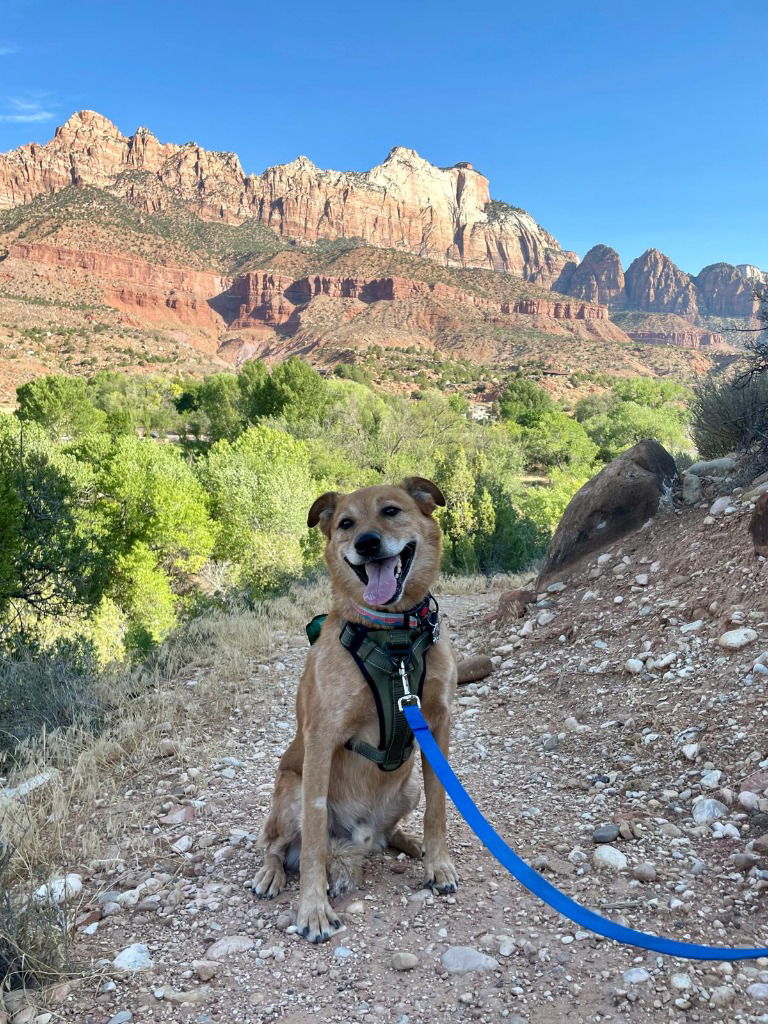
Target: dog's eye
x: 345, y: 523
x: 391, y: 511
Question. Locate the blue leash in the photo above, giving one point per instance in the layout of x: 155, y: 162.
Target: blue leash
x: 538, y: 885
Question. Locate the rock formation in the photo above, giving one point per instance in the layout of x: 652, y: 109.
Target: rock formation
x: 443, y: 214
x: 655, y: 284
x: 622, y: 496
x: 724, y: 290
x: 598, y: 278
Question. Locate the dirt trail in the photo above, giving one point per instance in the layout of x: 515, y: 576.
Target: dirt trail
x: 612, y: 704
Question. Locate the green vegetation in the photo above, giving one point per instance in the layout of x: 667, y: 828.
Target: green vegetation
x: 730, y: 415
x: 634, y: 409
x: 129, y: 503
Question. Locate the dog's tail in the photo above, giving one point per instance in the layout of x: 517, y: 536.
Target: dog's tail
x: 345, y: 864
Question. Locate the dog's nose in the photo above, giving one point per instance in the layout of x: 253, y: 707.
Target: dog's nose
x: 368, y: 543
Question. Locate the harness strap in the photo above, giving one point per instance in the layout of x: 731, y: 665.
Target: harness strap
x: 379, y: 664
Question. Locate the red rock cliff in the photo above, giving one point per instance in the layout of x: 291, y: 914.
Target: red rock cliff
x: 443, y: 214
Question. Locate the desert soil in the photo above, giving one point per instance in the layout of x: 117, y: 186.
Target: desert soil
x: 563, y: 738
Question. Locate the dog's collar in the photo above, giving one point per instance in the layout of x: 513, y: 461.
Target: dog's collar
x: 412, y: 618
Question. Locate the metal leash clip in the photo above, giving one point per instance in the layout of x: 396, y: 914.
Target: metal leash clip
x: 408, y: 698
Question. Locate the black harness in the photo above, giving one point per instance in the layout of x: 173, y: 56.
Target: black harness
x: 393, y: 662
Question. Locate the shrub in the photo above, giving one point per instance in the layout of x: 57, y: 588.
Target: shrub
x: 45, y: 688
x: 727, y: 417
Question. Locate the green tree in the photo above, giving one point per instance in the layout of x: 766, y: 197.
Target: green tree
x: 49, y: 559
x: 60, y: 404
x: 523, y: 402
x: 260, y: 489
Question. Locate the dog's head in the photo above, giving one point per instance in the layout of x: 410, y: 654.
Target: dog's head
x: 382, y: 544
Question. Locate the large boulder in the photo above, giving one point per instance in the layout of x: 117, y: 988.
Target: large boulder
x: 622, y: 496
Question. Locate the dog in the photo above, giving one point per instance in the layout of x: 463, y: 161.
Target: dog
x: 330, y: 805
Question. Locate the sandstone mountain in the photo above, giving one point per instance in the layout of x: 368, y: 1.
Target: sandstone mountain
x: 653, y: 284
x: 444, y: 214
x: 124, y: 251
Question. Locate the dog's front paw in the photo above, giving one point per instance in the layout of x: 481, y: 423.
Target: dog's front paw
x: 440, y: 875
x: 270, y: 880
x: 317, y: 921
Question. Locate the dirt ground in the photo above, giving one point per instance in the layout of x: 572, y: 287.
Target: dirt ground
x: 612, y: 703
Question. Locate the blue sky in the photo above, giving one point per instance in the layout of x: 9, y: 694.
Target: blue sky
x: 633, y: 124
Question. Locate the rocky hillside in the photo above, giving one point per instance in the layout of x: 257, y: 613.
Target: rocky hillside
x: 618, y: 745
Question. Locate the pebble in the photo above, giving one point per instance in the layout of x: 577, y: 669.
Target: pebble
x: 644, y: 873
x: 606, y: 833
x: 635, y: 976
x: 122, y: 1017
x: 722, y: 995
x: 634, y: 666
x: 555, y: 588
x: 460, y: 959
x: 680, y: 982
x: 758, y: 991
x: 227, y: 945
x: 709, y: 810
x: 711, y: 780
x: 735, y: 639
x: 205, y: 969
x: 133, y: 958
x: 402, y: 961
x: 610, y: 858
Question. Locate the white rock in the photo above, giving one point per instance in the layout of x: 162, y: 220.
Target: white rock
x: 635, y: 976
x: 758, y: 991
x: 609, y: 858
x: 634, y: 666
x: 59, y: 890
x: 227, y: 945
x: 460, y: 959
x: 692, y: 627
x: 709, y: 810
x: 555, y: 588
x: 690, y: 751
x: 722, y: 995
x: 735, y: 639
x: 711, y: 780
x: 718, y: 506
x: 642, y: 579
x: 681, y: 982
x: 133, y: 958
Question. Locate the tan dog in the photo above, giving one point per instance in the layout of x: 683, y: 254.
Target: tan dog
x: 331, y: 805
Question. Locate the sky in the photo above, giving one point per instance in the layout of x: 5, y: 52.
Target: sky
x: 633, y: 124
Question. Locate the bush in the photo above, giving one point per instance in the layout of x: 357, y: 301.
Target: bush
x: 33, y: 934
x: 730, y: 418
x: 45, y: 689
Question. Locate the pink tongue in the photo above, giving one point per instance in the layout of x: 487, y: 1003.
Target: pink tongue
x: 382, y: 584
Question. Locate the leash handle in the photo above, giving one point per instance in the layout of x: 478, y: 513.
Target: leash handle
x: 539, y: 885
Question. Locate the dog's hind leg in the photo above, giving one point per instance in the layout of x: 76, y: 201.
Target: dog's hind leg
x: 406, y: 844
x: 271, y: 879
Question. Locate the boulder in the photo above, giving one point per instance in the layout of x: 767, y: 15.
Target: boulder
x: 758, y: 526
x: 623, y: 495
x: 512, y: 604
x: 470, y: 670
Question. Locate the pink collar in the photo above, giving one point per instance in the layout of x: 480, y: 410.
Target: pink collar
x: 374, y: 618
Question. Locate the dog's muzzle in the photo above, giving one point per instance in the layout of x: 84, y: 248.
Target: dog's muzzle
x: 383, y: 578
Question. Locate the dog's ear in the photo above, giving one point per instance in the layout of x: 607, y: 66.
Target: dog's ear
x: 426, y: 494
x: 322, y: 510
